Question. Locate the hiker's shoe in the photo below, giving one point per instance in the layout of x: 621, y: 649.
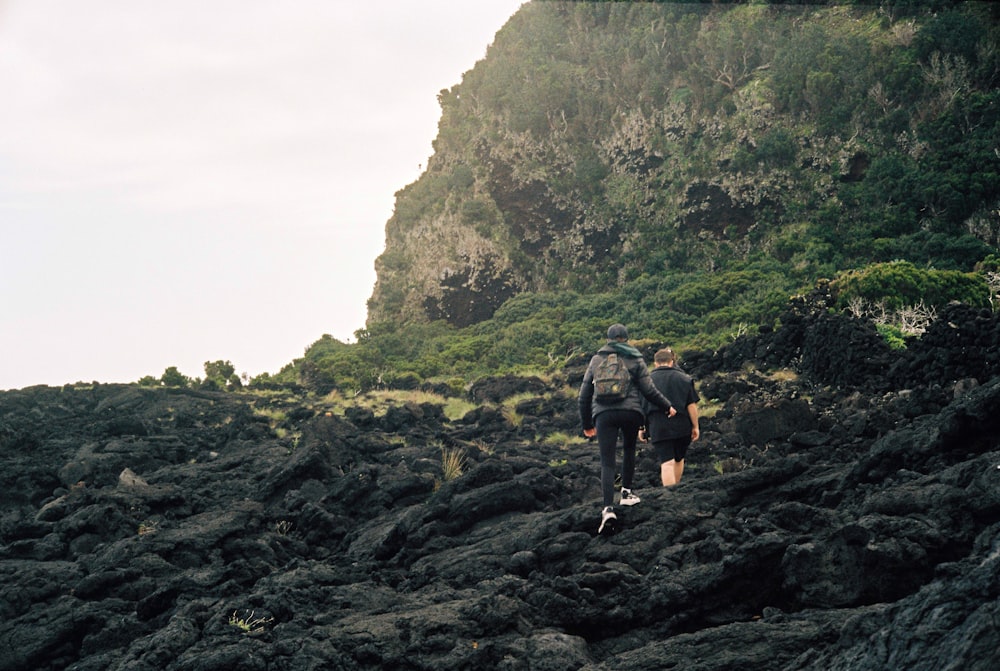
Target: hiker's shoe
x: 608, y: 521
x: 629, y: 498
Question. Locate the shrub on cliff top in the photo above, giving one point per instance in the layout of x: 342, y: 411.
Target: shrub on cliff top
x: 899, y: 283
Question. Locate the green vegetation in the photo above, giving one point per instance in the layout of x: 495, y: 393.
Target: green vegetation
x: 730, y: 465
x: 562, y: 440
x: 249, y: 623
x: 380, y: 400
x: 832, y: 136
x: 900, y: 283
x: 174, y: 378
x: 893, y: 335
x: 218, y: 375
x: 683, y: 168
x: 221, y: 375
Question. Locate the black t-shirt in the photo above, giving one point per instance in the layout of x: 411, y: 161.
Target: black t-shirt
x: 678, y: 386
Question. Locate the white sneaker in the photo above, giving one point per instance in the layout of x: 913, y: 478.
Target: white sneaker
x: 628, y: 498
x: 608, y: 521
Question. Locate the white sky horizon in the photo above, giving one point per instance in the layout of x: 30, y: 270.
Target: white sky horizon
x: 199, y: 181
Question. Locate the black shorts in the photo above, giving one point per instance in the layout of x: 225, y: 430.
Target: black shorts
x: 672, y: 448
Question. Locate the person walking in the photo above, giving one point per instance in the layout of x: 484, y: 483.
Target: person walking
x: 609, y: 408
x: 672, y: 435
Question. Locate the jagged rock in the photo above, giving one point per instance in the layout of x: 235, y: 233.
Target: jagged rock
x: 819, y: 524
x: 496, y: 389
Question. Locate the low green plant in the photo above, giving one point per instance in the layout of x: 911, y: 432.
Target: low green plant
x: 707, y: 410
x: 457, y: 408
x: 730, y: 465
x: 274, y: 415
x: 249, y: 623
x: 892, y: 335
x: 379, y: 401
x: 562, y: 440
x: 516, y: 399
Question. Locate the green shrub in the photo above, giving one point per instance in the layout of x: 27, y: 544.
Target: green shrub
x: 892, y: 335
x: 899, y: 283
x: 174, y: 378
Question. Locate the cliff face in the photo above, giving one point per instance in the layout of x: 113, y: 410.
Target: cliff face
x: 598, y: 142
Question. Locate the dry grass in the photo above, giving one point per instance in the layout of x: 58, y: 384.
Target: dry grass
x: 511, y: 415
x: 273, y: 415
x: 708, y: 409
x: 379, y: 401
x: 562, y: 440
x: 783, y: 375
x: 731, y: 465
x: 452, y: 463
x: 457, y: 408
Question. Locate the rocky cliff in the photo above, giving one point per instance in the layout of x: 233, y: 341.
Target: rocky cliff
x: 600, y: 141
x: 841, y: 511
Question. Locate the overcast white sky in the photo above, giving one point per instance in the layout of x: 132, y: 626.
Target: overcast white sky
x: 197, y: 180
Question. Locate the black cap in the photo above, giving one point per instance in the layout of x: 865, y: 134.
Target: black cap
x: 617, y: 331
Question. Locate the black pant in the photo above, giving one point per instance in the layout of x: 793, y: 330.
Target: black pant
x: 609, y: 423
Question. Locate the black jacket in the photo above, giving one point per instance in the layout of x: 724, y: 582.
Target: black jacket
x: 641, y: 387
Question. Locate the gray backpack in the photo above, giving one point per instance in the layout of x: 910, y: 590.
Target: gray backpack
x: 612, y: 379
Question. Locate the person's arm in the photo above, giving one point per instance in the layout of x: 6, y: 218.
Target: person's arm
x: 692, y: 408
x: 643, y: 430
x: 649, y: 390
x: 693, y: 414
x: 586, y: 400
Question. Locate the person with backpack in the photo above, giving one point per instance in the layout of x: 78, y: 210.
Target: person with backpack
x: 610, y: 400
x: 671, y: 436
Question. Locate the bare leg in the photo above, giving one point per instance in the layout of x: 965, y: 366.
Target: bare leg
x: 667, y: 474
x: 671, y: 472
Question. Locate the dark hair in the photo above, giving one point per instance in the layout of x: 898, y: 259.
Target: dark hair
x: 617, y: 331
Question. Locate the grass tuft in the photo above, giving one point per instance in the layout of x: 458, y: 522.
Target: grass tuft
x: 453, y: 463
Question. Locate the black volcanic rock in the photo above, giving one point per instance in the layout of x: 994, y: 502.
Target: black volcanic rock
x: 844, y: 518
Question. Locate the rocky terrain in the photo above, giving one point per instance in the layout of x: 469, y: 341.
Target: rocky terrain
x: 842, y: 511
